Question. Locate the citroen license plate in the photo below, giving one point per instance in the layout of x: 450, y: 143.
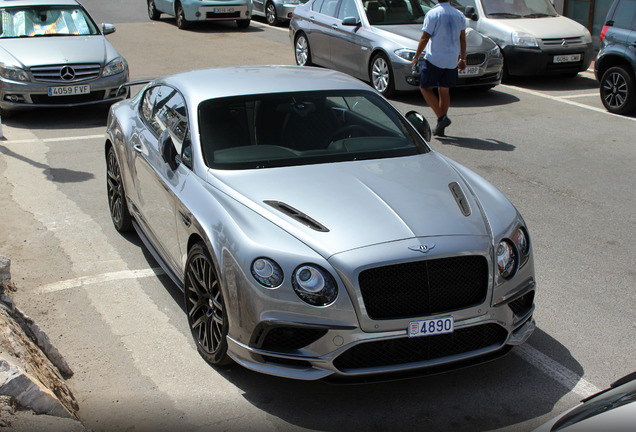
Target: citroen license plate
x: 69, y: 90
x: 569, y: 58
x: 431, y: 327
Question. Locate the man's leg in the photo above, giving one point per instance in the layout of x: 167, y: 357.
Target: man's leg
x: 432, y: 101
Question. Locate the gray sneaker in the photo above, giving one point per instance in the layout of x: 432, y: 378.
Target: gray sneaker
x: 442, y: 123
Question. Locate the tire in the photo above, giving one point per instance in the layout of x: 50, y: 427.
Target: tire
x: 302, y: 52
x: 243, y: 24
x: 153, y: 13
x: 205, y: 307
x: 617, y: 90
x: 117, y: 202
x: 270, y: 14
x: 381, y: 75
x: 182, y: 22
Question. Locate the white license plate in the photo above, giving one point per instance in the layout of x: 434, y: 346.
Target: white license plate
x: 432, y: 327
x: 567, y: 58
x: 69, y: 90
x: 223, y: 10
x: 469, y: 70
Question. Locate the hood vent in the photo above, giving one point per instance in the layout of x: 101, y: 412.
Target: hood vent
x: 460, y: 198
x: 297, y: 215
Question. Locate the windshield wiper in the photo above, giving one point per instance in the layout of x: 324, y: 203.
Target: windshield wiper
x: 505, y: 14
x: 537, y: 15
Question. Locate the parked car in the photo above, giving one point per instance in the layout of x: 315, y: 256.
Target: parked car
x: 375, y: 41
x: 534, y: 38
x: 188, y: 11
x: 276, y: 11
x: 52, y: 54
x: 612, y: 410
x: 312, y: 229
x: 615, y: 65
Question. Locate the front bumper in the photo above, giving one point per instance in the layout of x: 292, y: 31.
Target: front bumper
x: 20, y: 95
x: 217, y: 11
x: 540, y: 61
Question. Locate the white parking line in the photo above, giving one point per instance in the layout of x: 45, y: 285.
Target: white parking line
x: 531, y: 355
x: 45, y: 140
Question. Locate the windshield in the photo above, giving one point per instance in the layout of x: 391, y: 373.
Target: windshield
x: 34, y: 21
x: 288, y: 129
x: 518, y: 8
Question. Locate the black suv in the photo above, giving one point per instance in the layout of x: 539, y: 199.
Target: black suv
x: 615, y: 64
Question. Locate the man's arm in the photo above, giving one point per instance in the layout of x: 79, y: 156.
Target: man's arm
x: 461, y: 64
x: 422, y: 44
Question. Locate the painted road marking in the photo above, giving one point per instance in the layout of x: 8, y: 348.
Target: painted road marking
x: 45, y: 140
x: 534, y: 357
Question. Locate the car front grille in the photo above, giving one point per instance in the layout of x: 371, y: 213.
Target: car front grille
x: 522, y: 305
x: 423, y: 288
x: 475, y: 59
x: 412, y: 350
x: 63, y: 100
x: 289, y: 338
x: 556, y: 42
x: 66, y: 73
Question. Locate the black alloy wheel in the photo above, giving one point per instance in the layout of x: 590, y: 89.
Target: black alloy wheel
x: 617, y: 90
x: 302, y: 51
x: 116, y: 196
x: 270, y: 14
x: 182, y: 22
x: 153, y: 13
x: 205, y: 307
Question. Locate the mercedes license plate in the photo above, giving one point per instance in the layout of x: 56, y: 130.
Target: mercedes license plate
x: 469, y: 71
x: 569, y: 58
x: 69, y: 90
x: 432, y: 327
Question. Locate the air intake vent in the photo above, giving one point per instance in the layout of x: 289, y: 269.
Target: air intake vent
x: 297, y: 215
x: 458, y: 193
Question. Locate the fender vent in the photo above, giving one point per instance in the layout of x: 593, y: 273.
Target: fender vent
x: 458, y: 193
x: 297, y: 215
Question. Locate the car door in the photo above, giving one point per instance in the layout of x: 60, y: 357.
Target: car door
x: 345, y: 42
x: 258, y: 5
x: 322, y: 18
x: 158, y: 185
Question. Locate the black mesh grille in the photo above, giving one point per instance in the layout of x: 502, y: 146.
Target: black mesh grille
x: 412, y: 350
x: 212, y: 15
x: 62, y: 100
x: 424, y: 287
x: 290, y: 338
x: 475, y: 59
x: 523, y: 304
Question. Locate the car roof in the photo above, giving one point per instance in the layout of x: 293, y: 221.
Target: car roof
x: 203, y: 84
x: 5, y: 3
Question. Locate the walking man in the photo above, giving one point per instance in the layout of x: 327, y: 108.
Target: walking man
x: 443, y: 42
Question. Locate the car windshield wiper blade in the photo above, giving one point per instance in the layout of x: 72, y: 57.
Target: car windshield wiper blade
x: 537, y: 15
x: 505, y: 14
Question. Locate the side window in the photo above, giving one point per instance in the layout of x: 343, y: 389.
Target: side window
x: 348, y: 9
x: 329, y: 7
x: 316, y: 5
x: 624, y: 14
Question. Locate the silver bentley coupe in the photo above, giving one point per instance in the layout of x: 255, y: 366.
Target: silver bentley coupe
x: 313, y: 231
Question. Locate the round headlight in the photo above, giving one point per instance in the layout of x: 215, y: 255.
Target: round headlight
x: 506, y: 259
x: 314, y: 285
x: 521, y: 241
x: 267, y: 272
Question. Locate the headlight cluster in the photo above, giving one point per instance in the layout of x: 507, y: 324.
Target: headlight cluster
x: 524, y: 40
x: 406, y: 54
x: 512, y: 254
x: 116, y: 66
x: 13, y: 73
x: 313, y: 284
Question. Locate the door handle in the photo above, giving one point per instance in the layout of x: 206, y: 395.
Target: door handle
x: 137, y: 148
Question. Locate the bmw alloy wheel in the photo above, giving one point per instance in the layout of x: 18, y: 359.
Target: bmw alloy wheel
x: 205, y: 306
x: 303, y: 53
x: 381, y: 75
x: 270, y: 14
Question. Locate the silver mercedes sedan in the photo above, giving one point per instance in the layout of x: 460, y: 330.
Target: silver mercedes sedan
x: 376, y: 41
x: 313, y: 231
x: 52, y: 54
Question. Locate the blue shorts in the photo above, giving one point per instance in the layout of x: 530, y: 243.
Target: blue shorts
x: 432, y: 76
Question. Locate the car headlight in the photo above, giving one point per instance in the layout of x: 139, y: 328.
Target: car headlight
x: 522, y: 244
x: 13, y: 73
x: 495, y: 52
x: 507, y: 261
x: 406, y: 54
x: 267, y: 272
x: 314, y: 285
x: 114, y: 67
x: 524, y: 40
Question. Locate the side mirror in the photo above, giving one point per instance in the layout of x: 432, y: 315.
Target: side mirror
x: 351, y: 22
x: 108, y: 28
x: 167, y: 149
x: 470, y: 13
x: 420, y: 124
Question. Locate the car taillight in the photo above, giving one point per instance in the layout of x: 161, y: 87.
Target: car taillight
x: 603, y: 31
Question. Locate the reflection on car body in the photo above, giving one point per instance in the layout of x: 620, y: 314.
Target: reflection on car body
x: 52, y: 54
x: 276, y: 11
x: 376, y: 40
x: 314, y: 232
